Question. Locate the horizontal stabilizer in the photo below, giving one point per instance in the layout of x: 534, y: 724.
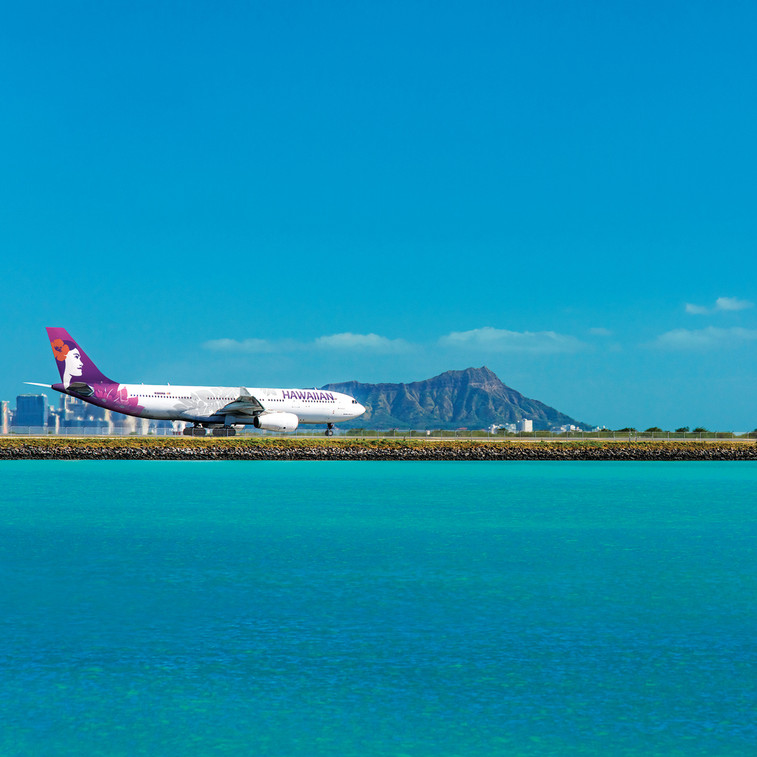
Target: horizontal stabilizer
x: 34, y: 383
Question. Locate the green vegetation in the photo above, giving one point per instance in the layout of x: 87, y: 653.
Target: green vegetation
x: 293, y: 448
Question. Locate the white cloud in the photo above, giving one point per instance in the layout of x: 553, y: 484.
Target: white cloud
x: 704, y: 339
x: 732, y: 303
x: 722, y: 303
x: 600, y: 332
x: 344, y: 341
x: 486, y: 339
x: 246, y: 346
x: 696, y: 309
x: 501, y: 340
x: 371, y: 342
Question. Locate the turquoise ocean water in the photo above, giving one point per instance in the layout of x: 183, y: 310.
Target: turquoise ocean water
x: 180, y: 608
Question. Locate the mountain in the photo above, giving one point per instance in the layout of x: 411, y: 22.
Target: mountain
x: 473, y: 398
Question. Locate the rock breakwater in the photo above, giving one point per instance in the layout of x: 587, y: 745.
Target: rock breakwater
x: 58, y: 448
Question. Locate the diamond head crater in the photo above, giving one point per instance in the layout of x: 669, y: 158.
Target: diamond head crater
x: 472, y: 398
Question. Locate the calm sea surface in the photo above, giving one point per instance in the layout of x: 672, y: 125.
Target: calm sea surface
x: 378, y: 608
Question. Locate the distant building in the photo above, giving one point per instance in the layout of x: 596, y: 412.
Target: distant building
x: 567, y: 427
x: 53, y: 420
x: 524, y: 424
x: 71, y: 408
x: 31, y: 411
x: 5, y: 417
x: 77, y: 414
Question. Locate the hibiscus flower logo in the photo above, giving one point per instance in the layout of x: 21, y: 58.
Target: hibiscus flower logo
x: 60, y: 349
x: 116, y: 397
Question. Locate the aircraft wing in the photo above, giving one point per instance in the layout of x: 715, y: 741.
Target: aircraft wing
x: 244, y: 404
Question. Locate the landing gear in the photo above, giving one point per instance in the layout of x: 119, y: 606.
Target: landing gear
x: 195, y: 430
x: 225, y: 431
x: 329, y: 429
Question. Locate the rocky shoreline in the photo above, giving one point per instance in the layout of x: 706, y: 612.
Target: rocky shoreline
x: 168, y: 448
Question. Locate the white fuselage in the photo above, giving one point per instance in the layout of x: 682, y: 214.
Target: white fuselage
x: 203, y: 403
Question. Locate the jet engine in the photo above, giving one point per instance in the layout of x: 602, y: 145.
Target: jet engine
x: 276, y: 422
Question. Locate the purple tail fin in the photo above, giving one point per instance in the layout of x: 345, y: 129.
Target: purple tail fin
x: 73, y: 364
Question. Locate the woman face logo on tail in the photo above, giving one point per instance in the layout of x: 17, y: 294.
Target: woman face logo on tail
x: 68, y: 354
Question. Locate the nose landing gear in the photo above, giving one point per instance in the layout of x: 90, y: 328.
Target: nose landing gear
x: 329, y: 429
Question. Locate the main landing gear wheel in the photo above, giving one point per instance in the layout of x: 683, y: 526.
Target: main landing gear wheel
x: 195, y: 431
x: 224, y: 431
x: 329, y: 429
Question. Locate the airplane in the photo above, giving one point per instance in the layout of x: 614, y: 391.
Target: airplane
x: 219, y: 408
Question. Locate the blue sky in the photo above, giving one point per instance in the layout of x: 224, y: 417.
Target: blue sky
x: 297, y: 193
